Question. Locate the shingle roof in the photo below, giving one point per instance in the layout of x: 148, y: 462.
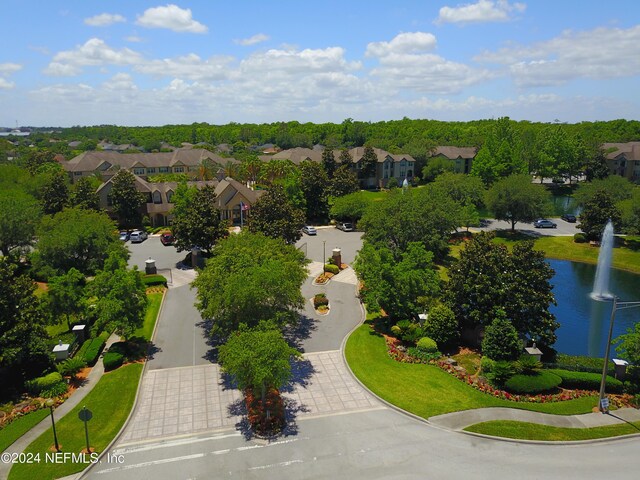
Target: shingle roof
x: 631, y: 150
x: 456, y: 152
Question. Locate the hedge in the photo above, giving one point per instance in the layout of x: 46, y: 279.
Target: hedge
x: 95, y: 348
x: 37, y: 385
x: 151, y: 280
x: 586, y: 381
x: 580, y: 238
x: 543, y: 381
x: 427, y: 345
x: 112, y: 360
x: 331, y: 268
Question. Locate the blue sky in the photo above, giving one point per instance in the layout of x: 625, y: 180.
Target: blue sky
x: 141, y: 62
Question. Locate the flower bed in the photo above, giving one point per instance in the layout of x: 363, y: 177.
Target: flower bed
x: 257, y: 414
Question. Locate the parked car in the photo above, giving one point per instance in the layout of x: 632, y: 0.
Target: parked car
x: 544, y: 223
x: 567, y: 217
x: 124, y: 236
x: 166, y: 239
x: 309, y: 230
x: 138, y: 236
x: 345, y: 226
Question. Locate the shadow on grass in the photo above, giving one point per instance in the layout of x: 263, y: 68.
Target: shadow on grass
x: 623, y: 420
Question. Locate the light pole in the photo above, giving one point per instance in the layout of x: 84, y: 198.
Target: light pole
x: 324, y: 252
x: 49, y: 403
x: 617, y: 305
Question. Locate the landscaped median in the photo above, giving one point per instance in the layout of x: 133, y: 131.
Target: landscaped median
x: 426, y: 390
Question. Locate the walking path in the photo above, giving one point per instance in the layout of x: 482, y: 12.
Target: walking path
x: 461, y: 420
x: 25, y: 440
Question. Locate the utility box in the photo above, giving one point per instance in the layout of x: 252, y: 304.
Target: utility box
x: 337, y: 257
x: 534, y: 351
x: 79, y: 331
x: 621, y: 368
x: 61, y: 351
x: 150, y: 267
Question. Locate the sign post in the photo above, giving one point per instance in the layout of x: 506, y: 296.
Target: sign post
x: 85, y: 415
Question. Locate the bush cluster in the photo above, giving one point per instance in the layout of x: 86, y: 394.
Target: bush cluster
x: 427, y: 345
x: 71, y: 366
x: 320, y: 299
x: 580, y: 238
x: 423, y: 355
x: 331, y: 268
x: 152, y: 280
x: 408, y: 331
x: 94, y: 349
x: 540, y: 382
x: 55, y: 390
x: 586, y: 381
x: 112, y: 360
x: 38, y: 385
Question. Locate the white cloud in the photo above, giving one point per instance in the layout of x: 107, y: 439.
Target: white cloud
x: 257, y: 38
x: 189, y: 66
x: 285, y: 62
x: 9, y: 68
x: 600, y: 54
x: 413, y: 42
x: 104, y: 20
x: 480, y: 12
x: 171, y: 17
x: 94, y: 52
x: 134, y: 39
x: 6, y: 84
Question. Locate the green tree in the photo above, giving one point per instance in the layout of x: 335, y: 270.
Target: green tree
x: 54, y: 192
x: 501, y: 340
x: 249, y: 278
x: 596, y: 212
x: 369, y: 163
x: 329, y: 162
x: 515, y: 199
x: 126, y: 200
x: 196, y: 219
x: 65, y: 295
x: 441, y: 325
x: 19, y: 217
x: 350, y: 207
x: 464, y: 189
x: 435, y: 167
x: 23, y: 337
x: 595, y: 167
x: 292, y: 185
x: 345, y: 158
x: 315, y: 186
x: 618, y: 188
x: 401, y: 288
x: 628, y: 345
x: 36, y: 158
x: 258, y: 358
x: 344, y: 181
x: 274, y: 216
x: 75, y: 238
x: 119, y: 298
x: 630, y: 210
x: 84, y: 195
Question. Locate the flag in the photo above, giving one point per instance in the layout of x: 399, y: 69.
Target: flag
x: 244, y: 207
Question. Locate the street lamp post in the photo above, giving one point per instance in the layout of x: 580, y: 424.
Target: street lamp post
x: 324, y: 252
x: 617, y: 305
x: 49, y: 403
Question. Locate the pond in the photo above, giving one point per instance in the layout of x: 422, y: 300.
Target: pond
x: 584, y: 323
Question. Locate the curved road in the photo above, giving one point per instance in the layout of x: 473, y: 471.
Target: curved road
x: 326, y: 439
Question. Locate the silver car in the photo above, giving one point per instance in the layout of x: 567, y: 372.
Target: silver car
x: 138, y: 236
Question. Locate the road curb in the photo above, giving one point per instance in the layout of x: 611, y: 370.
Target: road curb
x: 135, y: 402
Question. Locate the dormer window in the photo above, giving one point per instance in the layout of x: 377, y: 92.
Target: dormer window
x: 157, y: 197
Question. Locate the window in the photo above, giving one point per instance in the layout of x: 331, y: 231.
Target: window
x: 178, y: 169
x: 157, y: 197
x: 164, y: 169
x: 139, y: 170
x: 151, y: 170
x: 169, y: 196
x: 77, y: 174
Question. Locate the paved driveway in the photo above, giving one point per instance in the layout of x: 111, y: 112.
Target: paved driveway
x: 563, y: 228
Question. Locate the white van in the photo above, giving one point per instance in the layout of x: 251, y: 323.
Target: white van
x: 138, y: 236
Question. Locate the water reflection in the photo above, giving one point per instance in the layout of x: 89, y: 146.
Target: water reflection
x: 583, y: 321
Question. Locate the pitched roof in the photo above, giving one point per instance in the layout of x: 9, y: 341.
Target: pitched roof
x: 631, y: 150
x: 455, y: 152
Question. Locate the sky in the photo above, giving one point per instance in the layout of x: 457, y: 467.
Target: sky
x: 138, y: 62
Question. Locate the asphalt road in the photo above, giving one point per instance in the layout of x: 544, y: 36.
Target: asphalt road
x: 165, y: 257
x: 563, y: 228
x: 326, y: 240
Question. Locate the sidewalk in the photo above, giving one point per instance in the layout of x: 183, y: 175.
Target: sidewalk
x: 460, y: 420
x: 25, y: 440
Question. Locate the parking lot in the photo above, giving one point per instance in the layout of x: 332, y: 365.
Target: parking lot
x: 329, y: 238
x: 165, y: 257
x: 563, y: 228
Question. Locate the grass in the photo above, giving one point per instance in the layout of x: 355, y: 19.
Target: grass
x: 20, y: 426
x: 426, y: 390
x: 146, y: 330
x: 375, y: 196
x: 110, y: 401
x: 534, y: 431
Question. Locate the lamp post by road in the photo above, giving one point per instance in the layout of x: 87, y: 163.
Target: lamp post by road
x: 49, y: 403
x: 324, y: 252
x: 617, y: 305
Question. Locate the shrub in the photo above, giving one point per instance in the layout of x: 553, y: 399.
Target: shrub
x: 95, y: 348
x: 581, y: 363
x: 441, y: 325
x: 586, y: 381
x: 332, y: 268
x: 422, y: 354
x: 152, y: 280
x: 486, y: 365
x: 580, y: 238
x: 55, y: 390
x: 112, y: 360
x: 320, y: 300
x: 500, y: 372
x: 427, y: 345
x: 501, y: 340
x: 71, y: 366
x: 539, y: 382
x: 83, y: 348
x: 527, y: 365
x: 37, y: 385
x: 393, y: 183
x: 407, y: 331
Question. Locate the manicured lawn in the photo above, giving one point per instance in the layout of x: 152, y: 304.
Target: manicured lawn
x: 19, y: 427
x: 426, y: 390
x: 110, y: 401
x: 155, y: 300
x: 533, y: 431
x: 376, y: 196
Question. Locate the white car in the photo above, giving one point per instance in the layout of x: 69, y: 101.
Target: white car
x: 138, y: 236
x: 309, y: 230
x: 345, y: 226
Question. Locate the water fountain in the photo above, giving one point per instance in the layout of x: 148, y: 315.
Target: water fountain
x: 601, y: 284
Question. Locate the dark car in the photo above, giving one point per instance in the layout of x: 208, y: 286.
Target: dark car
x: 166, y: 239
x: 567, y: 217
x: 345, y: 227
x: 544, y: 223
